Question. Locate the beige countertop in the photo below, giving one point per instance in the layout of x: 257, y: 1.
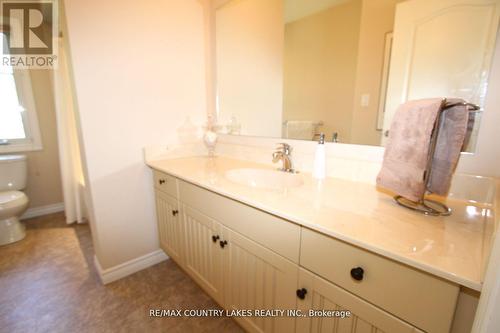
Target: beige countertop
x: 454, y: 248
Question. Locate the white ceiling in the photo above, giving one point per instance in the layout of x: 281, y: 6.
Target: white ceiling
x: 296, y: 9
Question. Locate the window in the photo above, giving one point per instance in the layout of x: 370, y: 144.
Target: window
x: 18, y: 121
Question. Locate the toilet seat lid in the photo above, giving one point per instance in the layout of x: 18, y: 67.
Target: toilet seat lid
x: 11, y: 196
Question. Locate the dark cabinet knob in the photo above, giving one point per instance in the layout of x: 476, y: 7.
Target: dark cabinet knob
x: 222, y: 243
x: 161, y: 181
x: 357, y: 273
x: 215, y: 238
x: 175, y: 212
x: 301, y: 293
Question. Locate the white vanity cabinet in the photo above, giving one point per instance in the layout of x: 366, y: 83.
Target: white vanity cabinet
x: 226, y: 256
x: 247, y: 259
x: 237, y: 272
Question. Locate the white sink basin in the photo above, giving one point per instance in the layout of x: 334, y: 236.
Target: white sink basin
x: 263, y: 178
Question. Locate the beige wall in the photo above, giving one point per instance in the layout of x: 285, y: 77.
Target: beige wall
x: 377, y: 19
x: 249, y: 52
x: 136, y: 79
x: 320, y: 65
x: 44, y: 178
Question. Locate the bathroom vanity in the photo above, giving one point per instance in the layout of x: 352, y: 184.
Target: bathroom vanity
x: 333, y: 245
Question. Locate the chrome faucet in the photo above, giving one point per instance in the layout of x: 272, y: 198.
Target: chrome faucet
x: 283, y: 153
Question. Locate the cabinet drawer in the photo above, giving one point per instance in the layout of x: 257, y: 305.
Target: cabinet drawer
x: 425, y: 301
x: 165, y: 183
x: 278, y: 235
x: 364, y: 317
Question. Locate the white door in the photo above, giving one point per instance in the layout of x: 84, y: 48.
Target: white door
x: 441, y: 49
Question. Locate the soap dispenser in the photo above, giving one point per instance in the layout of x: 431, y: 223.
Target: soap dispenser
x: 319, y: 171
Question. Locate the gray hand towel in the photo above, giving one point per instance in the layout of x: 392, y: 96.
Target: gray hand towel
x: 452, y: 134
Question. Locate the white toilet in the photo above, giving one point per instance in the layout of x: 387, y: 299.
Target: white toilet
x: 13, y: 202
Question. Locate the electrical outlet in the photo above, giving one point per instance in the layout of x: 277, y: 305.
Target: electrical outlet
x: 365, y: 100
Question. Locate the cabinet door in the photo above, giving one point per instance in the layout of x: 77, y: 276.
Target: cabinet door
x: 169, y: 225
x: 257, y: 278
x: 323, y: 295
x: 203, y: 255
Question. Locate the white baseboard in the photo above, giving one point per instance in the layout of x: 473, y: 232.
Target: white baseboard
x: 129, y: 267
x: 43, y: 210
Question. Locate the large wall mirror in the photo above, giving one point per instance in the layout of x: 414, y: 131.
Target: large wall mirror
x: 296, y: 68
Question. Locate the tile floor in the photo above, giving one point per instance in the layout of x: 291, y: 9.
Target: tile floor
x: 48, y: 283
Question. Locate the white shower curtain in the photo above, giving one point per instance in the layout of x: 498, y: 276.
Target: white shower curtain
x: 69, y: 149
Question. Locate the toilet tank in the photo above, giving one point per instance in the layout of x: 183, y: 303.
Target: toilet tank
x: 13, y: 172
